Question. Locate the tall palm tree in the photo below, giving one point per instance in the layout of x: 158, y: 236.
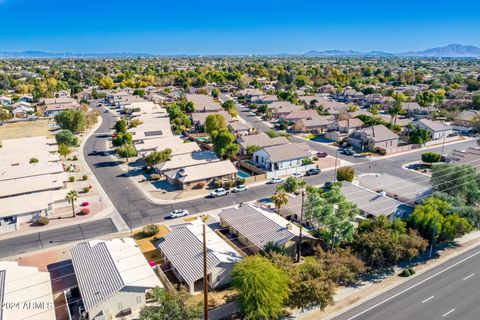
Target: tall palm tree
x: 72, y: 196
x: 280, y: 198
x: 302, y: 183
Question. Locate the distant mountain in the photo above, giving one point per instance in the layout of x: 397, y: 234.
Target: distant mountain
x: 452, y: 50
x: 46, y: 55
x: 349, y: 53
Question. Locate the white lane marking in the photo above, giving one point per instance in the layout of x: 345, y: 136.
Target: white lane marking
x: 446, y: 314
x: 413, y: 286
x: 427, y: 299
x: 468, y: 277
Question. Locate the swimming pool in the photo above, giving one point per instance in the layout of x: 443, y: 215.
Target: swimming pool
x: 243, y: 174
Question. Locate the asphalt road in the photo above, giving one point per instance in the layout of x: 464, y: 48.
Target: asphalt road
x: 448, y: 291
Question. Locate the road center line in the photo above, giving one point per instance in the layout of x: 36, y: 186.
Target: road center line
x: 468, y: 277
x: 415, y: 285
x: 446, y: 314
x: 427, y: 299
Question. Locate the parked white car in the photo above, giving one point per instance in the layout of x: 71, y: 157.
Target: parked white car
x: 177, y: 213
x: 218, y: 193
x: 276, y: 180
x: 239, y: 188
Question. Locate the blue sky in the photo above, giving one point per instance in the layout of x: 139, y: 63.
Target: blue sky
x: 235, y: 27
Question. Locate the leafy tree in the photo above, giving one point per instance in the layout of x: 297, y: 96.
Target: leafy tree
x: 121, y: 126
x: 333, y: 214
x: 430, y: 157
x: 279, y: 199
x: 251, y: 149
x: 263, y: 288
x: 169, y: 307
x: 5, y: 115
x: 139, y: 92
x: 345, y: 174
x: 215, y: 93
x: 223, y: 143
x: 71, y: 197
x: 122, y: 139
x: 64, y: 150
x: 229, y: 106
x: 457, y: 180
x: 215, y: 122
x: 342, y: 266
x: 419, y: 136
x: 272, y: 133
x: 433, y: 217
x: 106, y: 83
x: 66, y: 137
x: 382, y: 243
x: 126, y: 151
x: 155, y: 157
x: 290, y: 185
x: 73, y: 120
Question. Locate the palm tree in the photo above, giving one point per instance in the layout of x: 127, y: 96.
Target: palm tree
x: 72, y: 196
x: 302, y: 183
x: 280, y: 198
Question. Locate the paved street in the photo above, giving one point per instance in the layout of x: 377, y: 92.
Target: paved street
x: 448, y: 291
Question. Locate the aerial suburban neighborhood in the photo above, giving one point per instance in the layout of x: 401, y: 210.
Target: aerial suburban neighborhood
x: 332, y: 184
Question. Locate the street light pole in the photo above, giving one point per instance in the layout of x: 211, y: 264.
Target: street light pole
x: 299, y: 244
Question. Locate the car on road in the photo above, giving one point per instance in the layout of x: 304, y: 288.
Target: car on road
x: 312, y: 172
x: 84, y: 204
x: 94, y: 152
x: 275, y: 180
x: 328, y: 184
x: 218, y: 193
x: 348, y: 152
x: 177, y: 213
x: 297, y: 175
x: 239, y: 188
x: 359, y: 155
x: 322, y: 154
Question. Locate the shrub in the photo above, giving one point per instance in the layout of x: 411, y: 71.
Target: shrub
x: 240, y: 181
x: 86, y: 189
x: 430, y: 157
x: 345, y: 174
x: 200, y: 185
x: 154, y: 177
x: 71, y: 179
x: 405, y: 273
x: 381, y: 151
x: 217, y: 183
x: 85, y: 177
x: 33, y: 160
x: 228, y: 184
x: 150, y: 230
x: 85, y: 211
x: 412, y: 271
x: 43, y: 221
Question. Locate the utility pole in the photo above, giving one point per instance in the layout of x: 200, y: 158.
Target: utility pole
x: 336, y: 160
x: 205, y: 272
x: 433, y: 236
x: 299, y: 243
x: 443, y: 144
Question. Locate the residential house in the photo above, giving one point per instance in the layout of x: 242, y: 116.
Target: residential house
x: 22, y: 109
x: 375, y: 137
x: 25, y: 293
x: 202, y: 174
x: 437, y: 129
x: 282, y: 157
x: 52, y: 106
x: 298, y: 115
x: 113, y: 278
x: 5, y: 101
x: 339, y: 130
x: 240, y: 128
x: 264, y: 99
x: 317, y: 124
x: 414, y: 110
x: 281, y: 109
x: 187, y: 263
x: 261, y: 140
x: 255, y: 228
x: 199, y: 118
x: 467, y: 121
x: 186, y: 160
x: 204, y: 103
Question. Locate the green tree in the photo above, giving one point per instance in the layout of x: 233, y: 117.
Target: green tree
x: 122, y: 139
x: 106, y: 83
x: 66, y: 137
x: 64, y: 150
x: 169, y: 307
x: 71, y: 197
x: 72, y: 119
x: 290, y: 185
x: 279, y: 199
x: 155, y: 157
x: 345, y: 174
x: 251, y: 149
x: 215, y: 93
x: 5, y: 115
x: 433, y: 220
x: 120, y: 126
x: 457, y: 180
x: 430, y: 157
x: 262, y: 288
x: 419, y: 136
x: 214, y: 122
x: 229, y: 106
x: 126, y: 151
x: 333, y: 215
x: 223, y: 143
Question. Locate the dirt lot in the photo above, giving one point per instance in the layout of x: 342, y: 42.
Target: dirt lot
x: 26, y: 129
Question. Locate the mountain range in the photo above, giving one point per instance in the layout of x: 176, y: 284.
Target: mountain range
x: 449, y: 51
